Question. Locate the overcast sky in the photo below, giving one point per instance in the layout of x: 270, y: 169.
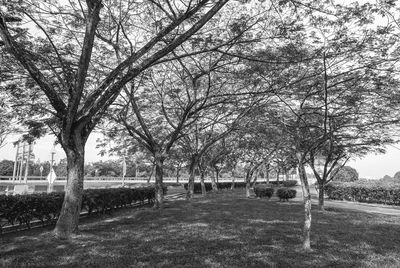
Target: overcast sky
x: 371, y: 167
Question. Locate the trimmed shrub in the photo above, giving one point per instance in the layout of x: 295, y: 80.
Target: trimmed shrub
x: 365, y: 191
x: 286, y: 194
x: 289, y: 183
x: 220, y: 185
x: 46, y: 207
x: 263, y: 190
x: 276, y: 183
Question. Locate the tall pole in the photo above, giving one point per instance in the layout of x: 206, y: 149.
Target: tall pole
x: 22, y: 162
x: 53, y: 152
x: 15, y: 164
x: 28, y: 157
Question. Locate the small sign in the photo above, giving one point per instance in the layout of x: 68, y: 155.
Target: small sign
x: 52, y: 176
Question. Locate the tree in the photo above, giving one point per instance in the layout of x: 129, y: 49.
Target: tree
x: 345, y: 174
x: 6, y: 168
x: 332, y: 88
x: 65, y: 63
x: 258, y: 140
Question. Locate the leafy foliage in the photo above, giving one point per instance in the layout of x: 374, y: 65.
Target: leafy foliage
x: 346, y: 174
x: 6, y: 168
x: 221, y: 185
x: 365, y: 191
x: 46, y: 207
x: 263, y: 190
x: 290, y: 183
x: 286, y: 194
x: 26, y: 208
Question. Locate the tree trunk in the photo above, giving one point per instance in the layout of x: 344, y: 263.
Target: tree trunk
x: 177, y: 174
x: 255, y: 179
x: 307, y: 204
x: 321, y: 199
x: 233, y: 183
x: 214, y: 185
x: 277, y: 175
x: 287, y: 175
x: 203, y: 186
x: 192, y: 166
x: 159, y: 162
x: 69, y: 217
x: 151, y: 173
x: 248, y: 177
x: 267, y: 174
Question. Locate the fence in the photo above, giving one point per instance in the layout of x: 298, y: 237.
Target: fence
x: 116, y: 179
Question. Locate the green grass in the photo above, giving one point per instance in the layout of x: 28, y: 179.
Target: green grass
x: 222, y: 230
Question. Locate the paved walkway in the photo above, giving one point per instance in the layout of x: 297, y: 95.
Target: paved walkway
x: 363, y: 207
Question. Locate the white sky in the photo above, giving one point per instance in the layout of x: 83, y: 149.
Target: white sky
x: 371, y: 167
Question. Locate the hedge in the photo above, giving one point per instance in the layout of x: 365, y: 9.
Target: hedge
x: 46, y: 207
x: 220, y: 185
x: 365, y: 191
x: 289, y: 183
x: 263, y: 190
x: 286, y: 194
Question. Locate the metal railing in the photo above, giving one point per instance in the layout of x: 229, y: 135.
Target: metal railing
x: 116, y: 179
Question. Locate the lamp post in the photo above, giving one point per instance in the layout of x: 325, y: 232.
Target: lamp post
x: 53, y: 152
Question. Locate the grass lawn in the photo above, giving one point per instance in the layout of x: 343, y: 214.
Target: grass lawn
x: 222, y: 230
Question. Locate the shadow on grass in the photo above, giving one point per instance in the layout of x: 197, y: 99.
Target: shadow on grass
x: 224, y: 230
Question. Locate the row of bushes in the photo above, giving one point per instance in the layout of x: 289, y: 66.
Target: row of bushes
x: 264, y: 190
x: 364, y: 191
x: 220, y: 185
x: 46, y: 207
x: 288, y: 183
x: 228, y: 185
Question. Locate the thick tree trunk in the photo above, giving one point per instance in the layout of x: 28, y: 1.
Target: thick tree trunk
x: 277, y: 175
x: 321, y: 199
x: 307, y: 205
x: 159, y: 162
x: 248, y: 178
x: 192, y: 166
x: 69, y: 217
x: 217, y: 174
x: 267, y: 174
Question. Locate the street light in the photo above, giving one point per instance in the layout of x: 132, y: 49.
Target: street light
x: 50, y: 178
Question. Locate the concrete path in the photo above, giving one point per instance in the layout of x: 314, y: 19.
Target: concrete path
x: 356, y: 206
